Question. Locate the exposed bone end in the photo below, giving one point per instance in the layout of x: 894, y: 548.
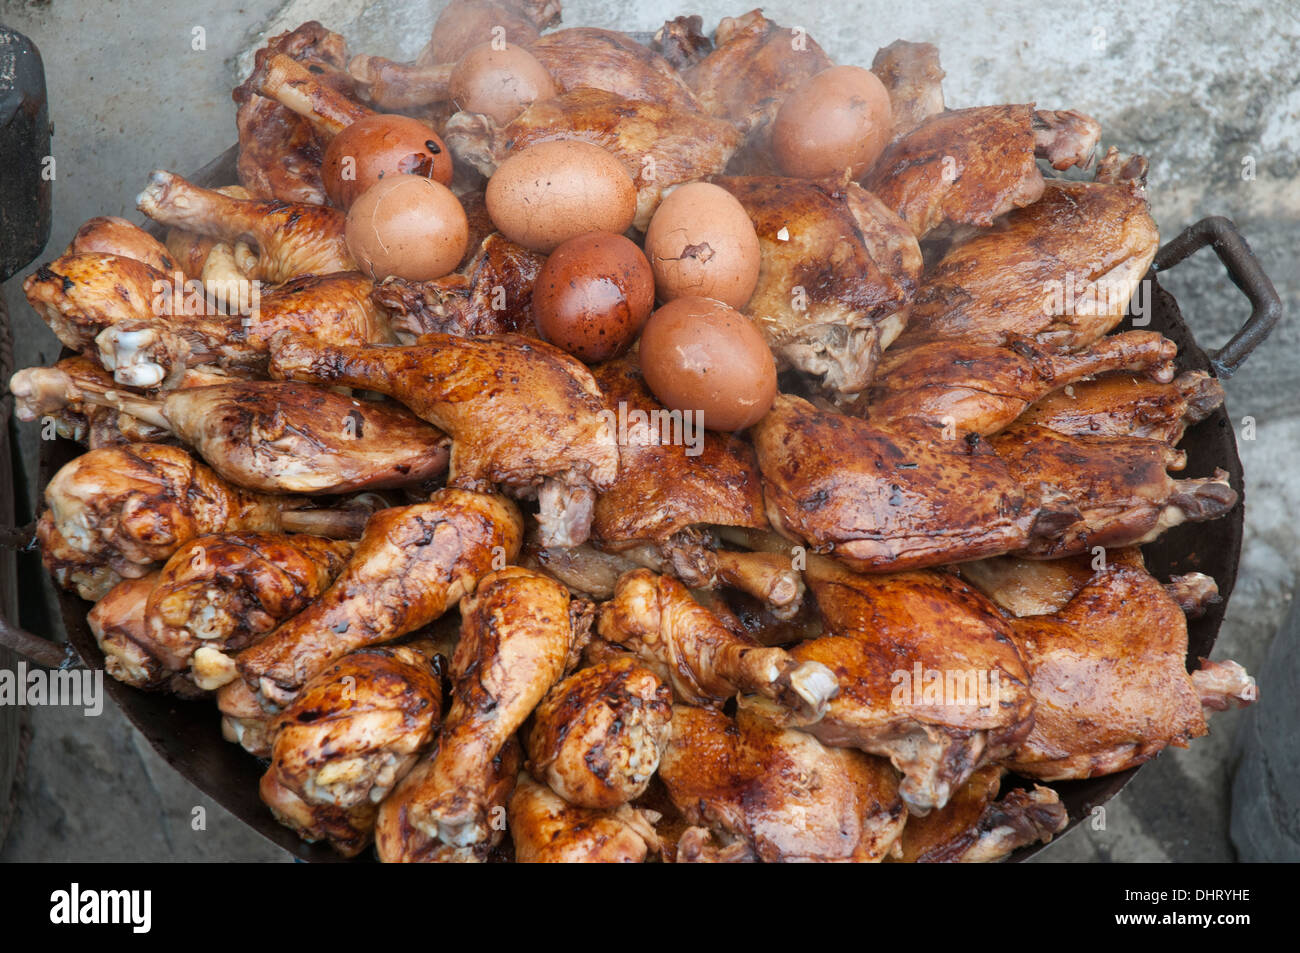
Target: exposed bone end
x: 1019, y: 819
x: 1065, y: 137
x: 1203, y: 393
x: 1194, y: 592
x: 41, y: 390
x: 1118, y: 168
x: 565, y: 512
x: 1224, y: 685
x: 1204, y: 499
x: 816, y: 685
x: 471, y: 136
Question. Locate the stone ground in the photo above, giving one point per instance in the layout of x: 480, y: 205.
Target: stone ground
x: 1207, y: 90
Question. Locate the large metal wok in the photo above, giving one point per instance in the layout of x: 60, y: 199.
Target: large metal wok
x: 188, y: 736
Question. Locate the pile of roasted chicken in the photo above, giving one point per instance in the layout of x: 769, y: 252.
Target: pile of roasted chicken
x: 389, y: 531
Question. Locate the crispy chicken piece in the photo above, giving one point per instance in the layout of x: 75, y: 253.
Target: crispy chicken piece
x: 1061, y: 271
x: 462, y: 25
x: 246, y: 723
x: 976, y: 827
x: 413, y: 564
x: 963, y: 387
x: 1119, y: 484
x: 547, y: 829
x: 1109, y: 677
x: 283, y: 437
x: 615, y: 63
x: 131, y: 507
x: 292, y: 238
x: 119, y: 622
x: 492, y: 294
x: 928, y: 676
x: 201, y: 257
x: 660, y: 145
x: 971, y: 166
x: 913, y: 77
x: 1125, y: 405
x: 1024, y: 587
x: 706, y: 662
x: 218, y: 594
x: 111, y: 235
x: 335, y: 308
x: 674, y: 482
x: 681, y: 41
x: 754, y: 65
x: 350, y: 737
x: 521, y: 413
x: 297, y: 87
x: 782, y: 792
x: 520, y: 633
x: 87, y: 574
x: 879, y: 500
x: 79, y: 295
x: 596, y: 738
x: 279, y: 152
x: 838, y: 270
x: 67, y: 393
x: 397, y: 841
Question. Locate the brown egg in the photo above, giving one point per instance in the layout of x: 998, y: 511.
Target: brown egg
x: 407, y: 226
x: 500, y: 83
x: 701, y: 242
x: 554, y: 191
x: 697, y: 354
x: 593, y: 296
x: 377, y: 146
x: 839, y: 119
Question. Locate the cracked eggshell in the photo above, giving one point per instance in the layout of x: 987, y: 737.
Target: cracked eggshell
x: 407, y: 226
x: 701, y: 242
x: 553, y: 191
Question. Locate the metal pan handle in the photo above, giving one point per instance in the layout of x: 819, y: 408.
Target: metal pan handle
x: 1244, y: 270
x: 36, y: 649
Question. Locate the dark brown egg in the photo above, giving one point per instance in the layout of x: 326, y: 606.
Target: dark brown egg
x: 379, y: 146
x: 499, y: 83
x: 407, y: 226
x: 839, y: 119
x: 593, y: 296
x: 699, y: 355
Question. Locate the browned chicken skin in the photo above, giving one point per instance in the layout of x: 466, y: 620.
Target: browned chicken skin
x: 1119, y: 484
x: 547, y: 829
x: 707, y: 663
x: 521, y: 414
x: 292, y: 238
x: 978, y: 827
x: 519, y: 635
x: 1061, y: 271
x: 398, y: 841
x: 927, y: 672
x: 879, y: 500
x: 284, y: 437
x: 596, y: 738
x: 755, y: 64
x: 79, y: 295
x: 962, y: 387
x: 1125, y: 405
x: 353, y: 733
x: 218, y: 594
x: 133, y: 506
x: 279, y: 152
x: 413, y: 564
x: 838, y: 270
x: 782, y: 792
x: 1109, y: 677
x: 491, y: 294
x: 111, y: 235
x: 119, y: 624
x: 964, y: 167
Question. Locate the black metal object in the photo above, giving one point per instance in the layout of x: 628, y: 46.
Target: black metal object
x: 24, y: 148
x: 186, y: 733
x: 1244, y: 271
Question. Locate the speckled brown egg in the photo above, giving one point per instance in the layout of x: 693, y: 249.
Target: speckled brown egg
x: 408, y: 227
x: 378, y: 146
x: 548, y: 193
x: 701, y: 242
x: 839, y: 119
x: 700, y: 355
x: 499, y: 83
x: 593, y: 296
